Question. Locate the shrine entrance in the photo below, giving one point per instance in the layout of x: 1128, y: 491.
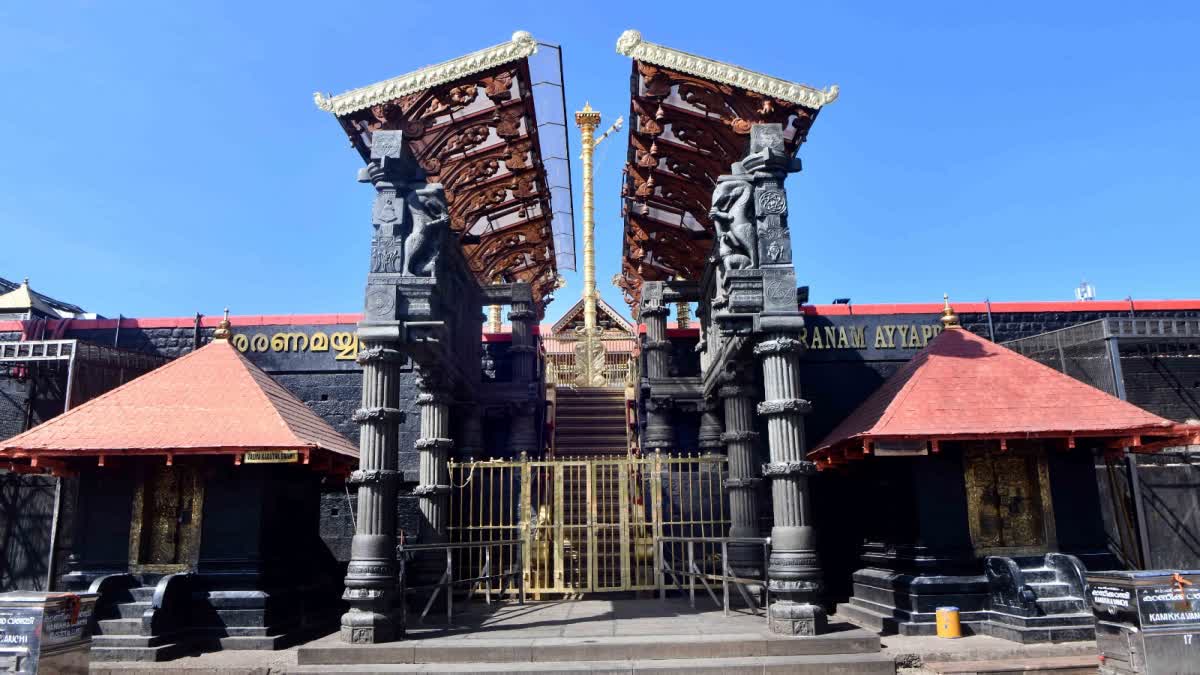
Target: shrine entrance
x: 164, y: 536
x: 1008, y: 500
x: 588, y: 525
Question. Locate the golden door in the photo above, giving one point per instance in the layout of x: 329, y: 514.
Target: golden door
x: 165, y: 532
x: 1007, y: 500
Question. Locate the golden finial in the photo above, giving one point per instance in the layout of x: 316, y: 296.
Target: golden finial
x: 949, y: 318
x: 223, y: 332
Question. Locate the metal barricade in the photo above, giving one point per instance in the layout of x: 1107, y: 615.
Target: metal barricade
x: 448, y: 580
x: 699, y: 569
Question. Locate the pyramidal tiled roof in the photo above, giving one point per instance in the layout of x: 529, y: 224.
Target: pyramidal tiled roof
x: 212, y: 399
x: 965, y: 386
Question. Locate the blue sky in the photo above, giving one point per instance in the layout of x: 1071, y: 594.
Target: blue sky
x: 159, y: 159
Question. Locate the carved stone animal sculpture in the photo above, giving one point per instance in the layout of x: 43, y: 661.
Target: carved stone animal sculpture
x: 430, y: 220
x: 737, y: 238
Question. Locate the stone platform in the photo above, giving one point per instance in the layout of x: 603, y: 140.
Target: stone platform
x: 613, y: 636
x: 601, y: 636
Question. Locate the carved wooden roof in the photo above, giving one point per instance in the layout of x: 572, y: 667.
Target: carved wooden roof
x: 471, y: 124
x: 607, y: 318
x: 690, y: 119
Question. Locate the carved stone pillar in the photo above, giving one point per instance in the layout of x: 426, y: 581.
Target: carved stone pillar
x: 711, y: 426
x: 523, y: 350
x: 742, y: 484
x: 434, y: 449
x: 659, y: 435
x: 522, y: 437
x: 794, y: 571
x: 371, y: 575
x: 470, y: 439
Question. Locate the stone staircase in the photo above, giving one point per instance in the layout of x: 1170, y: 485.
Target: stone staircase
x: 1039, y: 599
x: 590, y: 421
x: 120, y: 632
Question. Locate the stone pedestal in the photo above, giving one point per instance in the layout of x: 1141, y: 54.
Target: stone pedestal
x: 371, y: 575
x: 794, y: 573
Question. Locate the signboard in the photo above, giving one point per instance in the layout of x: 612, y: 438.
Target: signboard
x: 312, y: 348
x: 66, y: 620
x: 1170, y: 604
x: 867, y: 337
x: 271, y: 457
x: 900, y: 448
x: 20, y: 635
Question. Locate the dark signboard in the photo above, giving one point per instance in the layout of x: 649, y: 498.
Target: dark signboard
x: 881, y: 337
x: 1171, y: 604
x: 314, y: 348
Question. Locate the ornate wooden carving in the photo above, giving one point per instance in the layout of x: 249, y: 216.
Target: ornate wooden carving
x: 686, y: 132
x: 478, y: 138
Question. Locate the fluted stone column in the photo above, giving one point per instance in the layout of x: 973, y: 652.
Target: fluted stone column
x: 659, y: 433
x: 794, y: 572
x: 742, y: 485
x: 523, y: 434
x: 433, y: 448
x: 523, y: 350
x: 371, y: 575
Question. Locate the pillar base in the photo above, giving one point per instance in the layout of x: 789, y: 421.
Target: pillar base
x: 797, y: 619
x: 364, y: 628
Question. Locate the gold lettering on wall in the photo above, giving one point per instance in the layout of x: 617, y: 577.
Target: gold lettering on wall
x: 344, y: 344
x: 911, y: 336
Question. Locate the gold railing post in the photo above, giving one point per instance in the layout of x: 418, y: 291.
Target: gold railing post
x: 623, y: 481
x: 592, y: 574
x: 656, y: 517
x: 527, y: 525
x: 559, y: 577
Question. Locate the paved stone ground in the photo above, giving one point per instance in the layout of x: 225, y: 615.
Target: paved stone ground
x: 602, y: 618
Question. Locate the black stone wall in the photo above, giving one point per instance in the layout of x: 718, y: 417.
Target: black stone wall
x: 1166, y: 382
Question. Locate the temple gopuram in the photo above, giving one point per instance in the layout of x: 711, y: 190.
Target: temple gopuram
x: 377, y: 483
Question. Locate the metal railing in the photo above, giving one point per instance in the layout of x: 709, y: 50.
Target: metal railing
x: 589, y: 524
x: 448, y: 581
x: 697, y: 571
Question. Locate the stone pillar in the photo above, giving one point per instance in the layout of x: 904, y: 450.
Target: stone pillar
x: 740, y: 439
x: 794, y: 573
x: 434, y: 448
x: 470, y: 440
x: 371, y: 575
x: 711, y: 427
x: 659, y: 435
x: 523, y: 351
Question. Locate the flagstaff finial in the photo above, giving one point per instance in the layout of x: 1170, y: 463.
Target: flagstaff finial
x: 223, y: 332
x: 949, y: 318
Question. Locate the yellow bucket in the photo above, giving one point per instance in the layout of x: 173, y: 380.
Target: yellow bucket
x: 947, y: 623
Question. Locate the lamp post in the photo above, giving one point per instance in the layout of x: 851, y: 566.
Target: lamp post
x: 589, y: 352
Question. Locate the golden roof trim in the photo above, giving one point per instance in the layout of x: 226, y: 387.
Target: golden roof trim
x: 520, y: 46
x: 632, y: 45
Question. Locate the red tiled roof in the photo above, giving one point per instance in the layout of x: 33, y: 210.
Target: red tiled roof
x: 212, y: 399
x: 964, y: 386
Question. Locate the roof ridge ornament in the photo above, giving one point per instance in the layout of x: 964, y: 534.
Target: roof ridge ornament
x: 632, y: 45
x: 949, y: 318
x: 520, y: 46
x: 223, y: 331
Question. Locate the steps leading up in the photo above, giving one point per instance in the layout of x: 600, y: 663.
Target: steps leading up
x: 590, y: 421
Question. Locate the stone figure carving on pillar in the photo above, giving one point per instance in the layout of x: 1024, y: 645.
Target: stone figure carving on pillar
x: 410, y: 215
x: 733, y: 215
